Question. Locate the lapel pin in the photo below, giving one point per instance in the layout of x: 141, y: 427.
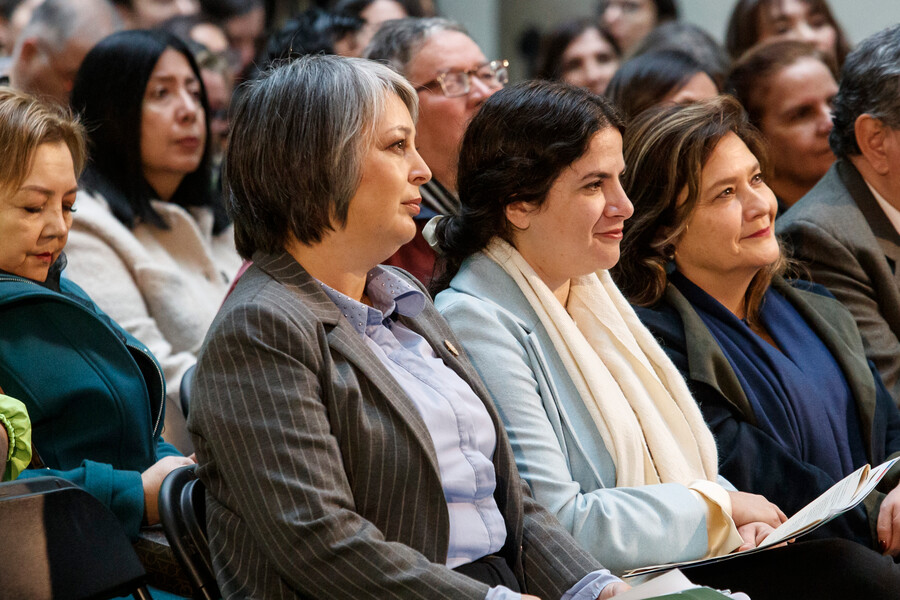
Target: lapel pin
x: 451, y: 348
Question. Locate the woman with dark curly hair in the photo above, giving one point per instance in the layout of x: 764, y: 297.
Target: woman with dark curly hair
x: 602, y: 425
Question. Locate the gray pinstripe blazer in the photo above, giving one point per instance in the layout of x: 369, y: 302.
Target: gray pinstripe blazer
x: 322, y: 478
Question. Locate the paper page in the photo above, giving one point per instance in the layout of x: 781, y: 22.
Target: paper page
x: 841, y: 497
x: 670, y: 582
x: 827, y: 505
x: 874, y: 478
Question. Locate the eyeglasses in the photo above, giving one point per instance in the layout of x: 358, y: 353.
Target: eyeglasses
x: 494, y: 74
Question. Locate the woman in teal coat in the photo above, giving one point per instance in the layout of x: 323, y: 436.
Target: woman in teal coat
x: 95, y: 395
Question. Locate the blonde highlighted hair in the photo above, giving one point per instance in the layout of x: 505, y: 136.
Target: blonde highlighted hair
x: 25, y: 124
x: 665, y: 150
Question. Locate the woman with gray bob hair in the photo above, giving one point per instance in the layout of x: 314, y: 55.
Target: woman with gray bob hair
x: 348, y: 447
x: 291, y: 171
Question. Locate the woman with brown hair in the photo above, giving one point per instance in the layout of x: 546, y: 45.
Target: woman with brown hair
x: 94, y: 393
x: 580, y: 52
x: 778, y: 368
x: 787, y: 88
x: 753, y: 21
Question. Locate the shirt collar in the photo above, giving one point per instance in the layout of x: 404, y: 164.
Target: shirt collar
x: 892, y: 213
x: 389, y: 294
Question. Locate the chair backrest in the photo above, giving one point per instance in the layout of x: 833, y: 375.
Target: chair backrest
x: 182, y: 510
x: 185, y: 389
x: 59, y: 542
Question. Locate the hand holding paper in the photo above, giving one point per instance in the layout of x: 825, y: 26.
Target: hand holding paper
x: 841, y: 497
x: 889, y: 523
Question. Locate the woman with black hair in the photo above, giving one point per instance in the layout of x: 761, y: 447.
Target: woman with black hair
x: 150, y: 244
x: 667, y: 76
x: 630, y: 21
x: 580, y: 52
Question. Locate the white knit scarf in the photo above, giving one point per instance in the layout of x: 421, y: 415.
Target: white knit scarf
x: 637, y: 399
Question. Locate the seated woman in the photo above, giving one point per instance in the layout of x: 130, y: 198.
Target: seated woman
x: 374, y: 13
x: 787, y: 88
x: 631, y: 21
x: 579, y: 52
x: 664, y: 77
x: 150, y: 243
x: 347, y: 448
x: 95, y: 395
x: 778, y: 369
x: 603, y: 427
x: 755, y: 21
x: 15, y: 437
x: 691, y: 39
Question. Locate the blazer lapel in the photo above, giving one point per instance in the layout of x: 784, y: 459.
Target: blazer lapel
x: 433, y: 329
x: 706, y: 361
x: 345, y: 340
x: 431, y: 326
x: 878, y: 222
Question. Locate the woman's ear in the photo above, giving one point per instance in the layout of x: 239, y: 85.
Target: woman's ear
x: 519, y: 213
x: 665, y: 243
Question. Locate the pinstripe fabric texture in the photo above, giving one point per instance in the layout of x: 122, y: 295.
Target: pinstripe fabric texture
x: 322, y: 478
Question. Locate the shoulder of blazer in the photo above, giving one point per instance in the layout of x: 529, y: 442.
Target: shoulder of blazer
x: 484, y: 286
x: 279, y: 282
x: 869, y: 207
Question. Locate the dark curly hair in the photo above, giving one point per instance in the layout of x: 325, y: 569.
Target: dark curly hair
x: 514, y: 149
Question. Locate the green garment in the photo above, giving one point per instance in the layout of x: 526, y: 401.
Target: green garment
x: 14, y: 417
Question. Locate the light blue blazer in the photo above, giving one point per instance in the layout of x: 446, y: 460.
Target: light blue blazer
x: 557, y: 447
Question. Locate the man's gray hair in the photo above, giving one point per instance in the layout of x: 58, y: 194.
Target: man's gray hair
x: 397, y: 42
x: 300, y: 134
x: 870, y: 84
x: 55, y: 22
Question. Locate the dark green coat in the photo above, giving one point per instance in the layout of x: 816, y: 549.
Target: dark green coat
x: 95, y: 395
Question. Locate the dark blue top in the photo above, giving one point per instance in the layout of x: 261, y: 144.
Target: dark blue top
x: 798, y: 393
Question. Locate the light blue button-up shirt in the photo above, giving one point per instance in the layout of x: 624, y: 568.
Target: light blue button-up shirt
x: 459, y: 424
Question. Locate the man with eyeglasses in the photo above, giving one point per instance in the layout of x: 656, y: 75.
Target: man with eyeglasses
x: 453, y: 78
x: 54, y: 43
